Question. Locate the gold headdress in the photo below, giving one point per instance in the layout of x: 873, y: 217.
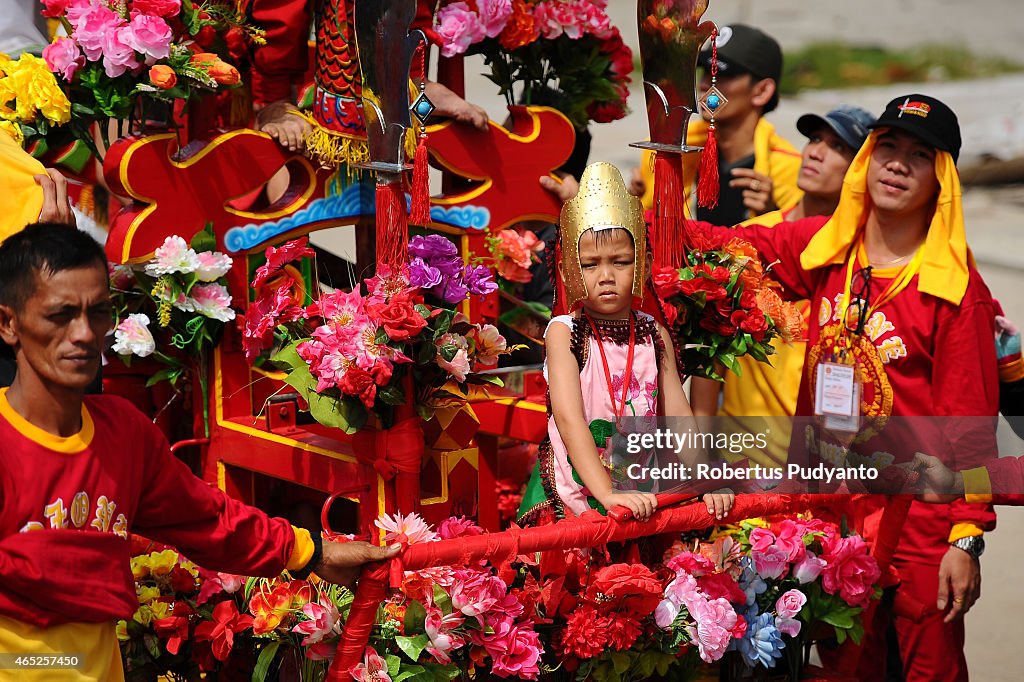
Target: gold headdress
x: 602, y: 203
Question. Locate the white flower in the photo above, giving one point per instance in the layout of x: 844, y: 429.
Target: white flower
x: 489, y: 344
x: 211, y: 300
x: 212, y: 266
x: 458, y: 367
x: 173, y: 256
x: 132, y: 336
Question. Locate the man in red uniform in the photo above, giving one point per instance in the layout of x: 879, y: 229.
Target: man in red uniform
x: 78, y: 473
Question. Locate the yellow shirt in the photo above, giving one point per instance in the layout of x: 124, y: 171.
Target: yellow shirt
x: 21, y: 199
x: 764, y: 390
x: 774, y: 157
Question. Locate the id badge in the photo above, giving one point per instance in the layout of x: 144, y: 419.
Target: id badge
x: 836, y: 390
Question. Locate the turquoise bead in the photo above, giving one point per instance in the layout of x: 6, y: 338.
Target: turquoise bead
x: 713, y: 101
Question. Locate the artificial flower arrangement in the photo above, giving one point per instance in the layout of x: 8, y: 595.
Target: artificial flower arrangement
x: 763, y: 589
x: 440, y: 623
x: 179, y: 297
x: 120, y: 53
x: 514, y: 251
x: 720, y: 305
x: 559, y: 53
x: 31, y: 101
x: 362, y: 354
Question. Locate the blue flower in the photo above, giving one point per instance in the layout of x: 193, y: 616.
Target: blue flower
x: 763, y: 641
x: 750, y: 582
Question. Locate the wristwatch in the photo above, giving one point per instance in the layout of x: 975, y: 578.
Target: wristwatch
x: 973, y: 545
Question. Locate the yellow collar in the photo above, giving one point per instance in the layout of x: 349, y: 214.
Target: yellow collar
x: 69, y: 445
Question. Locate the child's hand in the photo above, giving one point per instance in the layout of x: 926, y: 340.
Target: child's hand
x: 720, y: 503
x: 641, y: 504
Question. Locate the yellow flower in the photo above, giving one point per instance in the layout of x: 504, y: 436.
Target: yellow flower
x: 144, y: 616
x: 160, y: 609
x: 12, y: 129
x: 162, y: 563
x: 140, y: 566
x: 29, y: 88
x: 122, y: 631
x: 147, y: 594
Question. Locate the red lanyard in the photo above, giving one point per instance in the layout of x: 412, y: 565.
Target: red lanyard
x: 628, y: 376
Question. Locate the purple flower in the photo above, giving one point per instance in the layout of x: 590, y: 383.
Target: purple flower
x: 432, y: 246
x: 422, y: 275
x: 479, y: 280
x: 455, y: 291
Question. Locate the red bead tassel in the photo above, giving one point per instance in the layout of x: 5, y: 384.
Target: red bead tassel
x: 392, y: 225
x: 707, y: 184
x: 420, y: 212
x: 668, y: 210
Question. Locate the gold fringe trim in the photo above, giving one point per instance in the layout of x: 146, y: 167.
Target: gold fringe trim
x: 333, y: 150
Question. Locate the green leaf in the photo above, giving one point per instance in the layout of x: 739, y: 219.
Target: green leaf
x: 415, y: 615
x: 442, y: 600
x: 620, y: 662
x: 392, y: 395
x: 601, y: 430
x: 442, y: 322
x: 394, y: 663
x: 259, y: 673
x: 204, y: 240
x: 171, y: 374
x: 412, y: 646
x: 426, y: 353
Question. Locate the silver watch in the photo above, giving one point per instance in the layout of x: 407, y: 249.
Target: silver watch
x: 973, y: 545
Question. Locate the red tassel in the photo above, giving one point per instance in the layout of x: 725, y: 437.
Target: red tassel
x: 707, y: 185
x: 667, y: 226
x: 420, y: 213
x: 392, y: 225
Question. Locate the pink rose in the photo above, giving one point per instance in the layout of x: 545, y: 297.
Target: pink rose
x: 494, y: 15
x: 788, y: 626
x: 771, y: 563
x: 556, y: 18
x: 157, y: 8
x: 694, y: 564
x: 475, y: 593
x: 457, y: 527
x: 790, y: 538
x: 150, y: 35
x: 809, y: 569
x: 790, y: 603
x: 515, y: 651
x: 459, y: 27
x: 54, y: 8
x: 715, y: 620
x: 63, y: 57
x: 849, y: 570
x: 761, y: 539
x: 118, y: 53
x: 93, y: 23
x: 593, y: 19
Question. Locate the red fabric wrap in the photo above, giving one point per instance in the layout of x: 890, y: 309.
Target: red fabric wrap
x: 361, y: 618
x: 392, y: 225
x: 590, y: 530
x: 668, y: 210
x: 397, y: 455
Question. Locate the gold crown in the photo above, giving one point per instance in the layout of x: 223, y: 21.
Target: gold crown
x: 602, y: 203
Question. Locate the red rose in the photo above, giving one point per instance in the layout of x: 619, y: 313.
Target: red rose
x: 359, y: 383
x: 717, y: 585
x: 206, y: 36
x: 182, y: 580
x: 633, y: 588
x: 755, y: 324
x: 718, y: 320
x: 737, y: 317
x: 748, y: 300
x: 235, y: 40
x: 398, y: 317
x: 701, y: 238
x: 671, y: 315
x: 712, y: 290
x: 666, y: 282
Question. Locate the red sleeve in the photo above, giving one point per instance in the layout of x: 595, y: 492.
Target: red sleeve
x: 965, y: 392
x: 1007, y: 477
x: 779, y: 247
x: 284, y: 59
x: 215, y: 531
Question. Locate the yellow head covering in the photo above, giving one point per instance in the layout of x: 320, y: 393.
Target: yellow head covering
x: 944, y: 269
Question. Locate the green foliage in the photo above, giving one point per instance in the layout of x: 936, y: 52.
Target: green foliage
x: 832, y: 65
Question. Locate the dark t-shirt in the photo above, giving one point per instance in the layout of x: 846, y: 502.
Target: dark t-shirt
x: 730, y: 209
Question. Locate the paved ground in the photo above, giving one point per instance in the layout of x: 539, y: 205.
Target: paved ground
x: 995, y: 217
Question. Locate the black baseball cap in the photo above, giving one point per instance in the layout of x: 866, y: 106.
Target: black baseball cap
x: 850, y: 123
x: 745, y: 49
x: 927, y: 118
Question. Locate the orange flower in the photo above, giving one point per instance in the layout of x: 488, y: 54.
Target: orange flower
x: 163, y: 77
x: 741, y: 249
x: 271, y: 608
x: 521, y: 29
x: 223, y: 73
x: 203, y: 58
x: 397, y: 613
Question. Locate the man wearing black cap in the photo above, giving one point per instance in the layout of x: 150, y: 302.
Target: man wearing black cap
x: 895, y: 295
x: 763, y: 390
x: 757, y: 167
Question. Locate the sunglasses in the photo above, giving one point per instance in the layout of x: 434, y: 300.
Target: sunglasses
x: 860, y: 300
